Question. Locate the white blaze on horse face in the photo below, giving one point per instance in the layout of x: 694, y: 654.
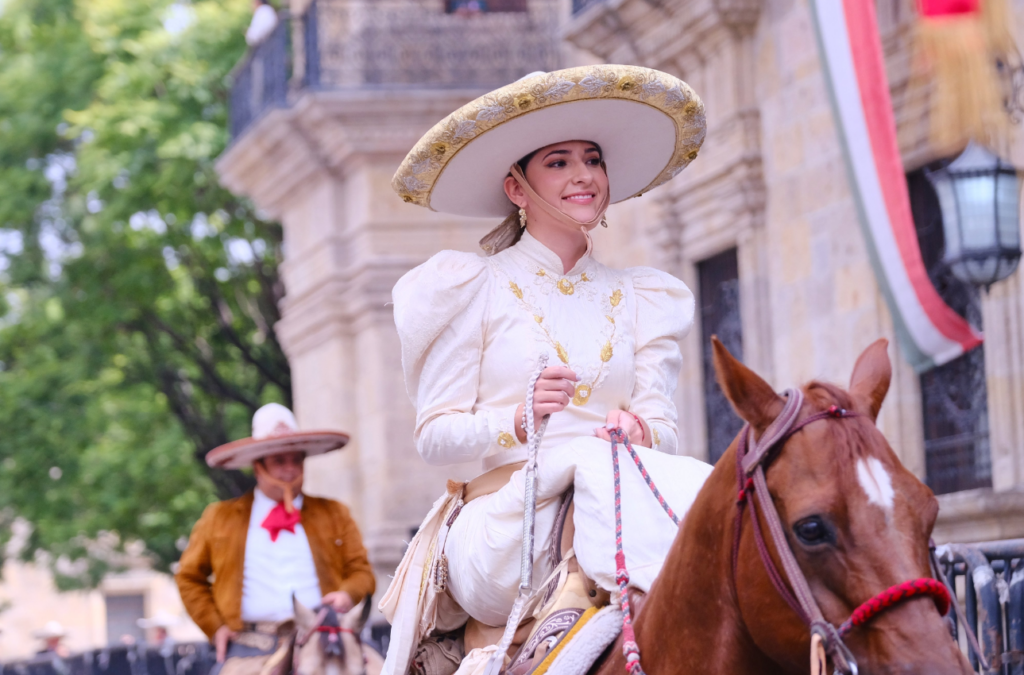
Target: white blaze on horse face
x: 876, y: 482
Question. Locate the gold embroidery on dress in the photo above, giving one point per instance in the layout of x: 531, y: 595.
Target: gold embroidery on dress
x: 583, y: 389
x: 582, y: 394
x: 506, y: 440
x: 657, y: 436
x: 565, y: 285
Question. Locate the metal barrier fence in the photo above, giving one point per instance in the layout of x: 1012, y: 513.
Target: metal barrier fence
x: 261, y: 79
x: 193, y: 658
x: 991, y: 576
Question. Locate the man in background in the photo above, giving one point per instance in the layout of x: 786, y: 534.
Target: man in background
x: 271, y: 544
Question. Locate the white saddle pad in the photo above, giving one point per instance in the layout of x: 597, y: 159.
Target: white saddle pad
x: 593, y: 638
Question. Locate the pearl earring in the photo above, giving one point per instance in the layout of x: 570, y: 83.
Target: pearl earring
x: 522, y: 218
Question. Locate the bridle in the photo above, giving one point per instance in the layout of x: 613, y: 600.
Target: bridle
x: 327, y: 624
x: 752, y: 459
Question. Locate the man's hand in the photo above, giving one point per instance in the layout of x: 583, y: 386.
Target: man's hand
x: 339, y: 601
x: 220, y: 641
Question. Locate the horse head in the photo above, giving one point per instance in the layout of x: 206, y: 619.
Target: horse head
x: 327, y: 643
x: 857, y: 521
x: 853, y: 522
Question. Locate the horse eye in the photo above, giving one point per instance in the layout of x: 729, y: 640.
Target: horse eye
x: 812, y: 531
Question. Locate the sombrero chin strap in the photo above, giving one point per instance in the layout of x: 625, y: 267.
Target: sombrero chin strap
x: 290, y: 488
x: 552, y: 210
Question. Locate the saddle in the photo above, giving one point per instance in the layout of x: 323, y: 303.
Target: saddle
x: 566, y: 597
x: 275, y: 639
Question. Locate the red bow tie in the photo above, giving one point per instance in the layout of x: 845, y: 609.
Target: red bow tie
x: 279, y: 519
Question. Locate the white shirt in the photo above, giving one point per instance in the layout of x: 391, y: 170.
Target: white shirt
x: 473, y: 328
x: 264, y: 19
x: 275, y: 569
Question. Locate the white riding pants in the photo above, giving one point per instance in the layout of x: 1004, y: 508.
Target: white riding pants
x: 484, y: 544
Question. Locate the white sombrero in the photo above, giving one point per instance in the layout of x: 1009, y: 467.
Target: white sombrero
x: 649, y: 125
x: 52, y: 629
x: 161, y: 619
x: 274, y: 430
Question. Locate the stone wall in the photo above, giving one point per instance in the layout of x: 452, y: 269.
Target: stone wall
x: 770, y: 181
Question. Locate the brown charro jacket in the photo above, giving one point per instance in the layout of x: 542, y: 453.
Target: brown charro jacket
x: 217, y: 547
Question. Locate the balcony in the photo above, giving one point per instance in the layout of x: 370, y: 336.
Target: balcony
x: 391, y: 45
x: 261, y: 79
x: 580, y: 5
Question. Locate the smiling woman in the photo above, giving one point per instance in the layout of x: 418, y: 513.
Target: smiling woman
x: 548, y: 154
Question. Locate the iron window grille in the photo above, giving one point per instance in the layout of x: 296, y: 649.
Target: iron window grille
x: 719, y: 282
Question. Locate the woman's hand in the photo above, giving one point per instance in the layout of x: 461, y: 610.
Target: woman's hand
x: 634, y: 426
x: 554, y: 390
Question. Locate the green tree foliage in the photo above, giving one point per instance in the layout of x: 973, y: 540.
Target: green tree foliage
x: 139, y: 297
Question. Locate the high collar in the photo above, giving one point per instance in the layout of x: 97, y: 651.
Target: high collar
x: 531, y: 249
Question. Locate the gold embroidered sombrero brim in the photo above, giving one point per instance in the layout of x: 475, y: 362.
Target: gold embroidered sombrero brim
x: 244, y: 452
x: 649, y: 125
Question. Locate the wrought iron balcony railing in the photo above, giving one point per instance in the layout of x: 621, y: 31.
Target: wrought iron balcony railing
x: 408, y: 43
x: 394, y: 44
x: 261, y: 79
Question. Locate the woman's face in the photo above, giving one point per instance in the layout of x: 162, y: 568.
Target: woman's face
x: 567, y: 175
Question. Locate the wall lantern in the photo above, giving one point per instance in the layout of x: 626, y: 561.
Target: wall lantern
x: 979, y: 195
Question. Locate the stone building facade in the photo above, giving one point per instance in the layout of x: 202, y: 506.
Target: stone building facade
x: 762, y: 226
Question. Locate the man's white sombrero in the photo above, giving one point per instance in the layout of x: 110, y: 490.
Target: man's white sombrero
x: 161, y: 619
x: 649, y: 125
x: 52, y: 629
x: 274, y: 430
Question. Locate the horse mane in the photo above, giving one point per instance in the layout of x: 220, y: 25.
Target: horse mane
x: 855, y: 439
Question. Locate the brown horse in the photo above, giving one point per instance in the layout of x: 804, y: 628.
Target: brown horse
x: 857, y: 521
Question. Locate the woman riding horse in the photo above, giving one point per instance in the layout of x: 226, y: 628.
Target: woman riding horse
x: 548, y: 154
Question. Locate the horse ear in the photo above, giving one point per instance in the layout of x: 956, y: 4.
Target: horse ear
x: 304, y: 616
x: 872, y: 373
x: 354, y: 619
x: 752, y: 398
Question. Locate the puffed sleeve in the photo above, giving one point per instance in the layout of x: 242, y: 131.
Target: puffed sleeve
x: 440, y: 312
x: 664, y: 315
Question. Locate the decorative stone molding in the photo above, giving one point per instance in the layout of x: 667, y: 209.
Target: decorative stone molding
x: 321, y: 132
x: 980, y: 515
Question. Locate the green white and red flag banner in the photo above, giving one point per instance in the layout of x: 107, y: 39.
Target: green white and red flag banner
x: 929, y: 331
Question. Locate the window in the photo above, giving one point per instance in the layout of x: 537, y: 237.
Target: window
x: 469, y: 7
x: 123, y: 613
x: 954, y: 397
x: 719, y: 309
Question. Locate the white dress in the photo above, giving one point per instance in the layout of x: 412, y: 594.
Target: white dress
x: 472, y: 331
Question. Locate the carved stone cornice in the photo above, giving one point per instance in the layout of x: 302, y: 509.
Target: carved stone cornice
x: 322, y: 132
